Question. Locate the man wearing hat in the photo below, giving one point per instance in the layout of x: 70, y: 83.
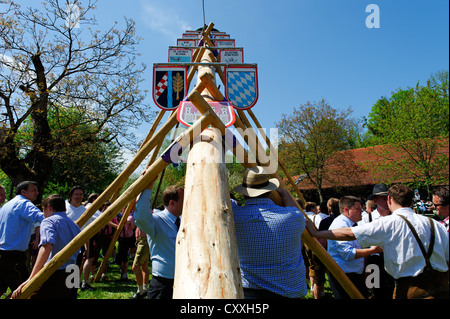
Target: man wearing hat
x: 386, y: 288
x: 379, y: 196
x: 269, y: 239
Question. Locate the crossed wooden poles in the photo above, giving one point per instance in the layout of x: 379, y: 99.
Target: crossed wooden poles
x: 207, y: 264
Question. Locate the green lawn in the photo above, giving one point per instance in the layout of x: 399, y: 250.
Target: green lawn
x: 113, y: 288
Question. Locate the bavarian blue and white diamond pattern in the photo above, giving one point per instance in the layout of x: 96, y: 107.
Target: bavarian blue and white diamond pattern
x: 241, y: 88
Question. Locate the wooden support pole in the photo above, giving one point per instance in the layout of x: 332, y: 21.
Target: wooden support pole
x: 280, y: 163
x: 208, y: 81
x: 312, y: 243
x: 246, y: 130
x: 147, y: 138
x: 198, y: 54
x: 131, y: 193
x: 207, y: 264
x: 218, y: 68
x: 60, y: 258
x: 152, y: 159
x: 204, y: 107
x: 193, y: 69
x: 101, y: 270
x: 132, y: 166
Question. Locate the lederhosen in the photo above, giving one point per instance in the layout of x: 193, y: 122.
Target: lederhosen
x: 430, y: 284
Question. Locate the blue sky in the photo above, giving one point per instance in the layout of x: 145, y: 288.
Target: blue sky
x: 305, y: 49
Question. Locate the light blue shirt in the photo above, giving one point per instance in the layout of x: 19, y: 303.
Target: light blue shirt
x: 16, y: 223
x: 161, y: 235
x: 59, y: 230
x: 269, y: 247
x: 343, y: 252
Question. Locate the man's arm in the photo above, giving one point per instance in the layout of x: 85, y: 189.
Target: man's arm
x: 143, y: 215
x: 344, y: 234
x: 287, y: 198
x: 364, y: 252
x: 41, y: 259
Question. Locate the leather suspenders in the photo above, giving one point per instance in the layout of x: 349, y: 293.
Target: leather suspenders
x: 426, y: 255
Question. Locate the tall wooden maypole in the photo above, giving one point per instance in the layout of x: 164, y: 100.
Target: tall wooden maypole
x: 207, y: 263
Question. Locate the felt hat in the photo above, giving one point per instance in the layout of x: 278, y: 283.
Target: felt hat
x: 256, y: 182
x: 378, y: 190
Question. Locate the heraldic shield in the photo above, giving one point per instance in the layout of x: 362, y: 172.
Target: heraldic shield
x: 242, y: 85
x: 169, y: 86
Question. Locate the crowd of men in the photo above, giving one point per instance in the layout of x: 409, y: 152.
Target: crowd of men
x: 384, y: 242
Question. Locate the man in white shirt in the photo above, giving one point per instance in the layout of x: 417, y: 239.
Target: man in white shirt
x: 74, y: 210
x: 379, y: 197
x: 403, y: 256
x: 386, y: 288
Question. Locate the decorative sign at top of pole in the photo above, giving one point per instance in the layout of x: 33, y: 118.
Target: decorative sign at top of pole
x: 242, y: 85
x: 240, y: 80
x: 169, y: 85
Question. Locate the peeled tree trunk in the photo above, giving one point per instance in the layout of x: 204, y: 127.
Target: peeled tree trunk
x: 206, y: 263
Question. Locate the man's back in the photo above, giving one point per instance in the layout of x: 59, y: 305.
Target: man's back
x: 162, y: 233
x: 403, y: 257
x: 59, y: 230
x: 269, y: 245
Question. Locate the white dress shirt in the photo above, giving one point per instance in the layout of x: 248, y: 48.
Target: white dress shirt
x: 402, y: 255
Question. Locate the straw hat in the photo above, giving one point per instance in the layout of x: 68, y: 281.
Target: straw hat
x: 256, y: 182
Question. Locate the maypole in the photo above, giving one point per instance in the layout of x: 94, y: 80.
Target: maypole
x: 207, y: 264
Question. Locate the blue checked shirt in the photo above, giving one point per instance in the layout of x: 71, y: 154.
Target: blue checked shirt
x: 269, y: 246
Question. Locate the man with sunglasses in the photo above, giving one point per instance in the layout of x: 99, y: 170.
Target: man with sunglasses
x: 440, y: 203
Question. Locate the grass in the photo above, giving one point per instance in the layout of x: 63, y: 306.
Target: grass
x: 113, y: 288
x: 328, y: 292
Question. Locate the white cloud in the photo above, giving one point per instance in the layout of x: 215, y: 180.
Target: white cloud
x: 16, y: 67
x: 164, y: 21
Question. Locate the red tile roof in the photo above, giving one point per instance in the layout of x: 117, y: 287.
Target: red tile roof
x: 359, y: 167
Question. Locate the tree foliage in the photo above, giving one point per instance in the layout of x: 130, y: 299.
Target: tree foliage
x: 311, y: 135
x: 413, y: 122
x: 49, y: 65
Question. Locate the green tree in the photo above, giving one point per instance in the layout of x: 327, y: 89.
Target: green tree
x: 93, y: 164
x: 311, y: 138
x: 413, y: 124
x: 50, y: 64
